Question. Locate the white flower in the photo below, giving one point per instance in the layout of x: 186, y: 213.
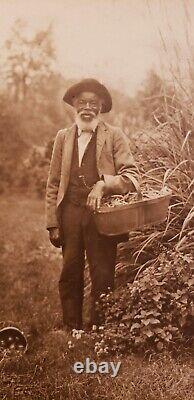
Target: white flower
x: 101, y: 328
x: 78, y: 336
x: 101, y: 351
x: 70, y: 344
x: 94, y: 327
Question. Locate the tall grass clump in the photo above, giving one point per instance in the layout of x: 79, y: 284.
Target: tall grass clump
x: 153, y: 305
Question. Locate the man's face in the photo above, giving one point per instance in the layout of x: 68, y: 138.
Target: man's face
x: 87, y: 105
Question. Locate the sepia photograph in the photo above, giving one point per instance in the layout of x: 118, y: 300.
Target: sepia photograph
x: 97, y: 200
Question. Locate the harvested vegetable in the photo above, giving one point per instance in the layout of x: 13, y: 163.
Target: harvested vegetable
x: 129, y: 198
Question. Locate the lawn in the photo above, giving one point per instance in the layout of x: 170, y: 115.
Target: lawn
x: 30, y: 269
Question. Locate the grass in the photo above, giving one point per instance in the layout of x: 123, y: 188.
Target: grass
x: 30, y: 268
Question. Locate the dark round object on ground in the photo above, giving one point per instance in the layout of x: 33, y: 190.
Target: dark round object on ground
x: 12, y: 339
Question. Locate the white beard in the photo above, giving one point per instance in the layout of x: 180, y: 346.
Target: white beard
x: 87, y: 125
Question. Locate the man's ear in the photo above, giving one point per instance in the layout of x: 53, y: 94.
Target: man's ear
x: 74, y: 101
x: 101, y: 105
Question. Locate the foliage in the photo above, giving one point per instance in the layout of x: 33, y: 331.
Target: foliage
x: 30, y: 268
x: 30, y: 113
x: 34, y: 171
x: 13, y: 148
x: 28, y: 60
x: 157, y: 310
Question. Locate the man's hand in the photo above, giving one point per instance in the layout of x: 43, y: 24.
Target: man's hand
x: 54, y: 236
x: 95, y: 196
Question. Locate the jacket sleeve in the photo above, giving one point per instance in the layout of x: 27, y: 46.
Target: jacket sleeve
x: 127, y: 174
x: 53, y: 183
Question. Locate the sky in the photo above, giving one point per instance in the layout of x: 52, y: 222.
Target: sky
x: 115, y: 41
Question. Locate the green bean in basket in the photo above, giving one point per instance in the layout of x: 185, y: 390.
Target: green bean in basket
x: 129, y: 198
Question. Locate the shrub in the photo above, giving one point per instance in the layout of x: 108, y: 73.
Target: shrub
x: 157, y: 310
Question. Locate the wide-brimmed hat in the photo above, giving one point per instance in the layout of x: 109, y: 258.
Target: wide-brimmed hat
x: 90, y: 85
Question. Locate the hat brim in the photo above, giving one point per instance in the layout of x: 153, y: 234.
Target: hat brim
x: 89, y: 85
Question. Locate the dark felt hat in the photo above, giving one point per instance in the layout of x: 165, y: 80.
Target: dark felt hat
x: 89, y: 85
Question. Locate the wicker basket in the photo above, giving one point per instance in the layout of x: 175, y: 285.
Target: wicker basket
x: 117, y: 220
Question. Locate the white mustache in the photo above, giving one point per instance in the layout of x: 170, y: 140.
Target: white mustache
x: 87, y: 111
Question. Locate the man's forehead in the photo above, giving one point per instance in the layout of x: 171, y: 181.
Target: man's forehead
x: 88, y: 95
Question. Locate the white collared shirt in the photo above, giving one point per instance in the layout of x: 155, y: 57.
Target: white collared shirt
x: 84, y: 138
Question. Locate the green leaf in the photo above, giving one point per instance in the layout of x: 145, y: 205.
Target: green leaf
x: 182, y: 321
x: 168, y: 337
x: 148, y: 332
x: 143, y: 313
x: 135, y: 326
x: 139, y: 339
x: 159, y: 346
x: 191, y: 282
x: 154, y: 321
x: 146, y: 321
x: 183, y: 300
x: 157, y: 297
x: 158, y: 330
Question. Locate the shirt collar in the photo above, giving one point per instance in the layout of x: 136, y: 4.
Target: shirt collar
x: 79, y: 131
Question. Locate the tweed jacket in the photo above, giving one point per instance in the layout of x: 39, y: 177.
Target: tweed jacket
x: 114, y: 162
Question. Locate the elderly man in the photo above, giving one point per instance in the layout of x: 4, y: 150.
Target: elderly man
x: 90, y: 160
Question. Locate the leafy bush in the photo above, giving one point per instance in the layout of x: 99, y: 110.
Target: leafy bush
x: 157, y: 310
x: 34, y: 171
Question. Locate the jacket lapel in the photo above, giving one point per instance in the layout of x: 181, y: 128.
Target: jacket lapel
x: 66, y: 162
x: 101, y: 137
x: 68, y: 151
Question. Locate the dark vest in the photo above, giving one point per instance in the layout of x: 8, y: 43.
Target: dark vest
x: 82, y: 178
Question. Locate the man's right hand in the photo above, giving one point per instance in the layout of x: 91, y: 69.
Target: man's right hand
x: 54, y: 236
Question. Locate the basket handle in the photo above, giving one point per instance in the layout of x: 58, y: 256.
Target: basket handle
x: 139, y: 194
x: 138, y: 190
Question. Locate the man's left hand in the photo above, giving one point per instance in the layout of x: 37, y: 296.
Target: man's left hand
x: 95, y: 196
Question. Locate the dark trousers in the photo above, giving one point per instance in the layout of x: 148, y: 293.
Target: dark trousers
x: 80, y: 236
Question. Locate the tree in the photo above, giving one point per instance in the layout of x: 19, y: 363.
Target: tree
x: 31, y: 83
x: 28, y: 60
